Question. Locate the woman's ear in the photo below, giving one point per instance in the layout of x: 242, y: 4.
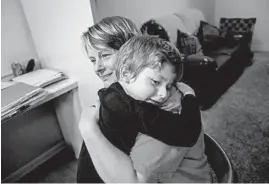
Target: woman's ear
x: 125, y: 74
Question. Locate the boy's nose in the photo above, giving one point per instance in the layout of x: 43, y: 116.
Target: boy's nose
x: 162, y: 92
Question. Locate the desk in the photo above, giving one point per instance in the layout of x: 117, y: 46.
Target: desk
x: 38, y: 133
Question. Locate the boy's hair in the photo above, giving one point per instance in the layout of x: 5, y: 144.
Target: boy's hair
x: 147, y: 51
x: 109, y: 33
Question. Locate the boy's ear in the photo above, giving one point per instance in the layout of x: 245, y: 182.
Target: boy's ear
x: 125, y: 74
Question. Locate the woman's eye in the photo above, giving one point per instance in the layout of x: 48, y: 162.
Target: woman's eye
x: 105, y: 55
x: 155, y: 82
x: 92, y: 60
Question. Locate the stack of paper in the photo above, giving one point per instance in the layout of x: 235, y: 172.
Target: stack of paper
x: 19, y: 96
x: 41, y: 77
x: 6, y: 84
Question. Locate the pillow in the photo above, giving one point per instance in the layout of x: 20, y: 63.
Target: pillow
x: 207, y: 32
x: 237, y: 25
x: 209, y: 36
x: 151, y: 27
x: 187, y: 44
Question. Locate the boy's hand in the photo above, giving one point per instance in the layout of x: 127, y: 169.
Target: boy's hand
x: 88, y: 120
x: 185, y: 89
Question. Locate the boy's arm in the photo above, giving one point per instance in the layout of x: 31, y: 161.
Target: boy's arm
x: 173, y: 129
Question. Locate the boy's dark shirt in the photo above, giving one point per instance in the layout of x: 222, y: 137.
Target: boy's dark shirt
x: 122, y: 117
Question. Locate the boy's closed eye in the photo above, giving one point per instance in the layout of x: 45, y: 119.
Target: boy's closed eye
x: 155, y: 82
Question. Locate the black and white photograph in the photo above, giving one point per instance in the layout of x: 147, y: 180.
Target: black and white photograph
x: 134, y: 91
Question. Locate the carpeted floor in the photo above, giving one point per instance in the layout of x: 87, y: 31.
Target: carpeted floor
x: 239, y: 121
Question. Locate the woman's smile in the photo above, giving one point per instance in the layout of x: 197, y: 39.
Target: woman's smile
x: 105, y: 77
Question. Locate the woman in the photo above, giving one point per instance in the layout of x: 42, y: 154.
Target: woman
x: 102, y: 42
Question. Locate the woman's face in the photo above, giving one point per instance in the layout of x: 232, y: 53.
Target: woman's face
x: 104, y: 63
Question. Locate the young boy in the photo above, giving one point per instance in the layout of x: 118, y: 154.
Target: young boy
x: 160, y: 162
x: 147, y: 69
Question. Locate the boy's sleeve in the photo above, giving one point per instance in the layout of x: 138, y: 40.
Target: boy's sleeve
x: 113, y: 103
x: 173, y: 129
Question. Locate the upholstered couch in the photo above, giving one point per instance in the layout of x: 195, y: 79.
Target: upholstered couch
x: 211, y: 63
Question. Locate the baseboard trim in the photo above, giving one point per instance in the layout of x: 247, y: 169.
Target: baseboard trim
x: 31, y: 166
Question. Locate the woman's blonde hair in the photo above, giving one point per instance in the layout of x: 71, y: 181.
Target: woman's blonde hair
x: 147, y: 51
x: 109, y: 33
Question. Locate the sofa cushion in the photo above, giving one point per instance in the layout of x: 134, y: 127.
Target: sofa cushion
x: 237, y: 26
x: 222, y: 55
x: 210, y: 38
x: 187, y: 44
x: 208, y: 34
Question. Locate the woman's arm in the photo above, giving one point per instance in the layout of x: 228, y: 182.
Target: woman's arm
x: 105, y: 156
x: 112, y: 164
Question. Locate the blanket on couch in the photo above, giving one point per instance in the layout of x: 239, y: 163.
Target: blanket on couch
x: 177, y: 28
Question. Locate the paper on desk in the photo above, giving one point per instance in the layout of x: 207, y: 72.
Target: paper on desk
x: 24, y: 104
x: 6, y: 84
x: 41, y: 77
x: 17, y: 93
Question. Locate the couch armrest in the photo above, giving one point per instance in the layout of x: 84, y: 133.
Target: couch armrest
x: 198, y: 60
x: 244, y: 38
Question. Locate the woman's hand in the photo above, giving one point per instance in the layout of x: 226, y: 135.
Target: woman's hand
x: 185, y: 89
x: 88, y: 120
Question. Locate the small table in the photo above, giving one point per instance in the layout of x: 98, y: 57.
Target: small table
x: 39, y: 132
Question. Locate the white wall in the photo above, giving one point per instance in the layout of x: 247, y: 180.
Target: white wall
x: 248, y: 8
x: 140, y: 11
x: 56, y: 27
x: 17, y: 44
x: 207, y: 7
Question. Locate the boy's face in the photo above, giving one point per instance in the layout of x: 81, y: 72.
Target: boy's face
x: 153, y: 85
